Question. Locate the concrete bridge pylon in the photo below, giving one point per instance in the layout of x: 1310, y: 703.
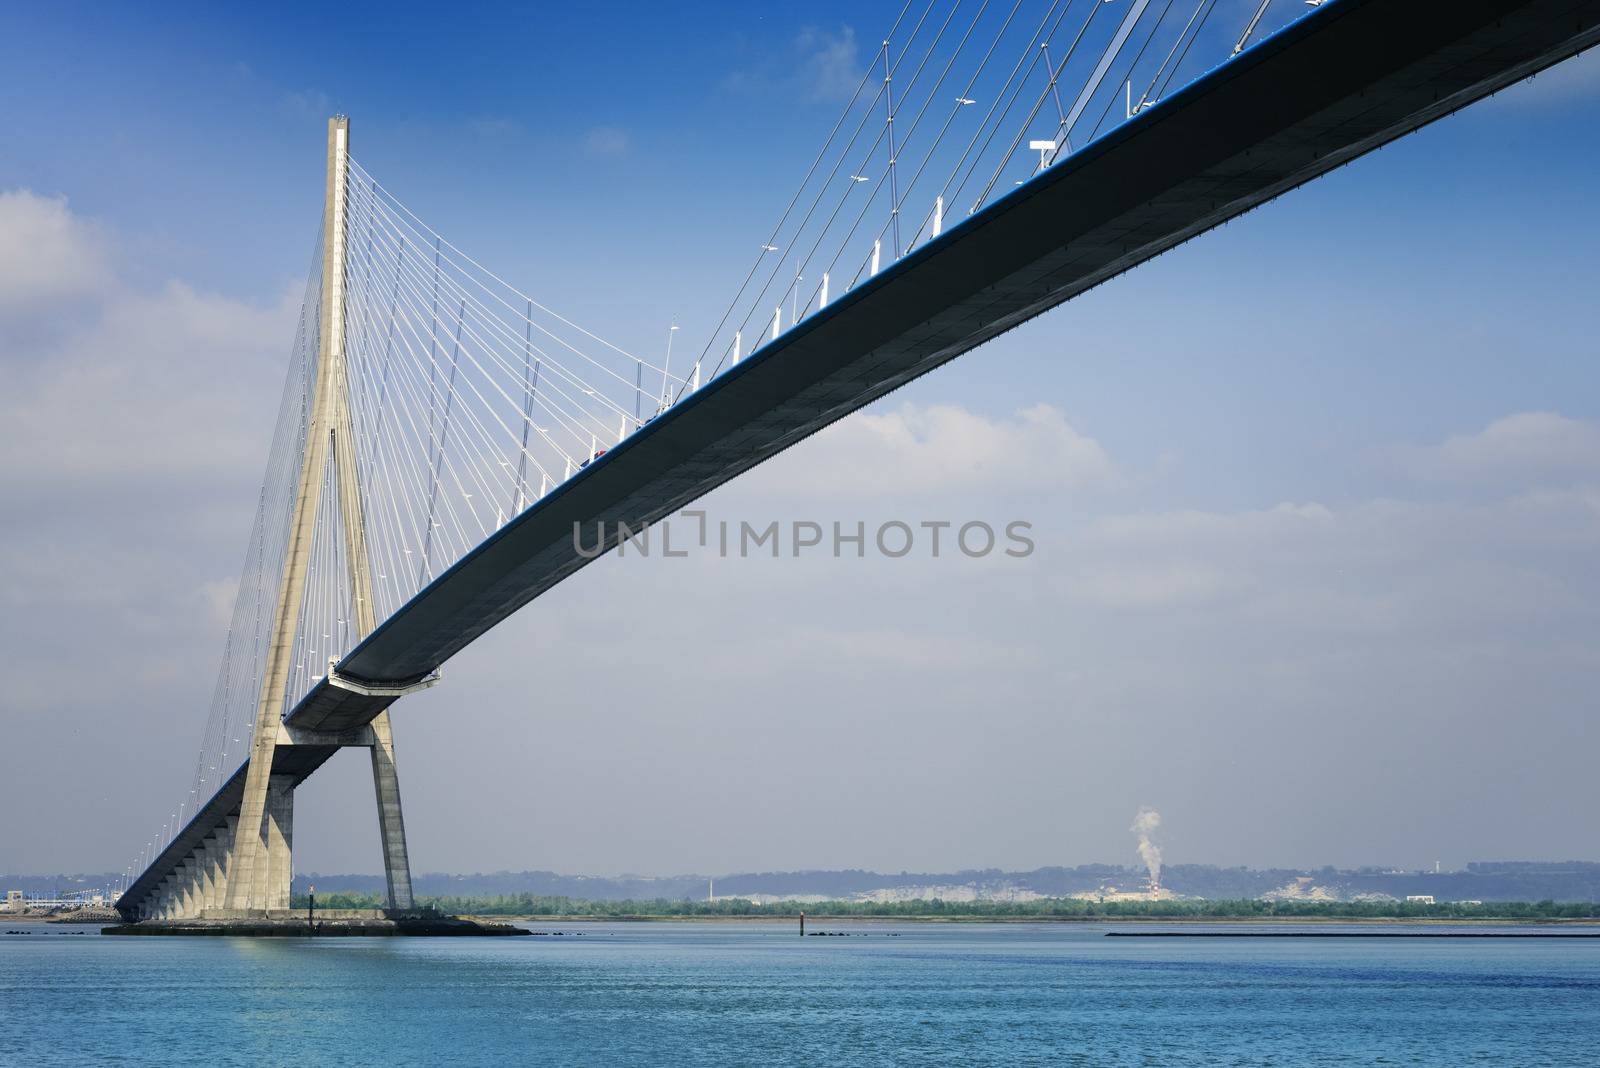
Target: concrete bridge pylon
x: 259, y: 864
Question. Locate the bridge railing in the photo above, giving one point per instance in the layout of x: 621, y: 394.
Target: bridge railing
x: 961, y: 104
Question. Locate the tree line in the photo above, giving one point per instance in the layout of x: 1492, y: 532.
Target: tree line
x: 936, y: 908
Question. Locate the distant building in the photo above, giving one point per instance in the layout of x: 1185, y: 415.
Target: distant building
x: 15, y: 902
x: 1419, y: 899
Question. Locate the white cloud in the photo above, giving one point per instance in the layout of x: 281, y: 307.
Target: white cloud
x: 829, y: 67
x: 495, y: 126
x: 132, y: 434
x: 47, y: 255
x: 307, y: 104
x: 1165, y: 583
x: 1371, y: 570
x: 822, y: 64
x: 1524, y: 448
x: 606, y: 141
x: 217, y: 596
x: 165, y: 384
x: 915, y: 449
x: 866, y: 650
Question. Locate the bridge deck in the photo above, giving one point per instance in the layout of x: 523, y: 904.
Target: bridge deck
x: 1342, y: 81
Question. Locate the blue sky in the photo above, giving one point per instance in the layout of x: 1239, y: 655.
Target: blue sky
x: 1406, y: 345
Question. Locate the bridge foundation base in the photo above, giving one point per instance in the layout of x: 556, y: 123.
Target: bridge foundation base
x: 294, y: 923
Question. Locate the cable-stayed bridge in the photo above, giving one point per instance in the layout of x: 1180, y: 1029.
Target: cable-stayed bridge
x: 442, y: 436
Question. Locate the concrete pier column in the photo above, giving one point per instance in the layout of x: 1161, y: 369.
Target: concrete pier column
x: 205, y: 855
x: 197, y: 886
x: 189, y: 890
x: 262, y: 848
x: 280, y: 841
x: 249, y: 836
x: 219, y: 869
x: 391, y: 821
x: 204, y: 872
x: 225, y: 859
x: 202, y: 858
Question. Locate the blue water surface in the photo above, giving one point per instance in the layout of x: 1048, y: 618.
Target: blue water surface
x: 756, y: 994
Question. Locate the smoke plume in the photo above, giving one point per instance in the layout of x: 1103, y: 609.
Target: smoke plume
x: 1144, y: 825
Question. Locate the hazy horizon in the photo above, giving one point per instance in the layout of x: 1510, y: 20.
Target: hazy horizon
x: 1133, y: 864
x: 664, y: 876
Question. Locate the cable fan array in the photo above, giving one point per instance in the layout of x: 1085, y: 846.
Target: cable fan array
x: 471, y: 399
x: 971, y: 100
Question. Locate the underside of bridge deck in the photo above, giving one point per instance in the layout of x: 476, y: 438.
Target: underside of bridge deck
x: 1340, y: 83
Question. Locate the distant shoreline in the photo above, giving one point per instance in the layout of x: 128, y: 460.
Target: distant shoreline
x: 936, y: 909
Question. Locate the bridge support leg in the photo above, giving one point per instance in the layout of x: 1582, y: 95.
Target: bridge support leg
x: 263, y: 848
x: 216, y: 850
x: 208, y: 871
x: 226, y: 837
x: 280, y: 840
x: 190, y: 901
x: 391, y: 821
x: 247, y: 883
x: 197, y: 883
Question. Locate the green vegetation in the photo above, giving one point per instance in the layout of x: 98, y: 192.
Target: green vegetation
x: 1064, y: 908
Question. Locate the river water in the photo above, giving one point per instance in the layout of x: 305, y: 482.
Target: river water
x: 757, y: 994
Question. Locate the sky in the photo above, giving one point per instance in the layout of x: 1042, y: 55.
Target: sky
x: 1315, y: 498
